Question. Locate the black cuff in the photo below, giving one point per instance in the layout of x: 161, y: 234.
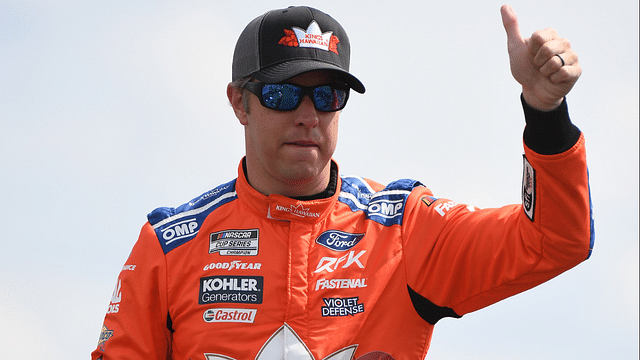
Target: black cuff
x: 549, y: 132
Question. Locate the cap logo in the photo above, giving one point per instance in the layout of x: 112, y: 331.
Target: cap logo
x: 313, y: 37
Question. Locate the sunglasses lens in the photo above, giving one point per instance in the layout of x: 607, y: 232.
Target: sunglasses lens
x: 281, y: 97
x: 328, y: 98
x: 285, y: 97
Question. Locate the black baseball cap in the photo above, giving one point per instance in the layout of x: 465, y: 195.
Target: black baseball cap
x: 281, y: 44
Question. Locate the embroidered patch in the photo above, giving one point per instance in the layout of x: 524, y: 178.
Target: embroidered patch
x: 312, y: 37
x: 234, y: 242
x: 528, y: 188
x: 105, y: 335
x: 428, y: 200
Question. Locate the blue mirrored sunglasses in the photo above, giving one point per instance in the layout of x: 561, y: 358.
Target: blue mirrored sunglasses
x: 287, y: 97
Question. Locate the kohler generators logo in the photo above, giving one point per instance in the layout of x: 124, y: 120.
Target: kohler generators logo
x: 231, y: 289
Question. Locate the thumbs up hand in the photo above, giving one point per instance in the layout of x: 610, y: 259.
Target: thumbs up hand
x: 544, y: 64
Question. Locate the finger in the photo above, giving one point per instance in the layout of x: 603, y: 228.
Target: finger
x: 558, y: 61
x: 549, y: 49
x: 540, y: 38
x: 511, y: 26
x: 566, y: 74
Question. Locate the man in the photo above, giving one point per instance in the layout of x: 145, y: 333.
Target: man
x: 293, y: 261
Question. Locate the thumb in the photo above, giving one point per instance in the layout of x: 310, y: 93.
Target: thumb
x: 510, y: 23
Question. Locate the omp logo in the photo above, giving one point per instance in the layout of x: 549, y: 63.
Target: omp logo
x: 180, y: 230
x: 338, y: 240
x: 330, y: 264
x: 230, y: 315
x: 386, y: 208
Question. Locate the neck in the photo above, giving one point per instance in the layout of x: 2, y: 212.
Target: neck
x: 319, y: 187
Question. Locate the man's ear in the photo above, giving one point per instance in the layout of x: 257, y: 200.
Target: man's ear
x: 235, y: 99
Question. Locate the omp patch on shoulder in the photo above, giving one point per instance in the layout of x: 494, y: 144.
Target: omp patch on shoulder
x: 177, y: 226
x: 528, y: 188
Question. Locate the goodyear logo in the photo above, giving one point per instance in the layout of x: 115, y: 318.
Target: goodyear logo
x: 338, y: 240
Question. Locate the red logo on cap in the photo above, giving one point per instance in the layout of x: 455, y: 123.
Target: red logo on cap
x: 312, y: 37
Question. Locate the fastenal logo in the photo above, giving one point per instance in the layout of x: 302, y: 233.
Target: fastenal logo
x: 443, y: 208
x: 234, y: 242
x: 342, y: 307
x: 338, y: 240
x: 322, y: 284
x: 230, y: 315
x: 231, y: 289
x: 298, y: 210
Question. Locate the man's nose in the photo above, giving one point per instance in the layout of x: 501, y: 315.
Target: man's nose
x: 307, y: 115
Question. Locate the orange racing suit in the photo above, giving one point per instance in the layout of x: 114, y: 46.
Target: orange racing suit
x: 363, y: 274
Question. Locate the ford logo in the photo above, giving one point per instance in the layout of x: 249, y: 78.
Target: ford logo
x: 338, y: 240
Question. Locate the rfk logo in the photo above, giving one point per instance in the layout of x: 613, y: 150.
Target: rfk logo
x: 330, y: 264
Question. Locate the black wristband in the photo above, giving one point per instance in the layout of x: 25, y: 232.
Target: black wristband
x: 549, y: 132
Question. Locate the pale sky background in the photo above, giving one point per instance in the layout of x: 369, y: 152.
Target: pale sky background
x: 109, y: 109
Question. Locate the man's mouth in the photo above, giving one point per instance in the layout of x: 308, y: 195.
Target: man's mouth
x: 302, y: 143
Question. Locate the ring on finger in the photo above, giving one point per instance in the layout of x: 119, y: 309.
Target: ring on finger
x: 561, y: 59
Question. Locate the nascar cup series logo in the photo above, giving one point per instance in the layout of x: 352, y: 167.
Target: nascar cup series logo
x: 234, y: 242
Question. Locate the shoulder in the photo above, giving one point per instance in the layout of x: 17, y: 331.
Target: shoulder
x: 175, y: 226
x: 382, y: 204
